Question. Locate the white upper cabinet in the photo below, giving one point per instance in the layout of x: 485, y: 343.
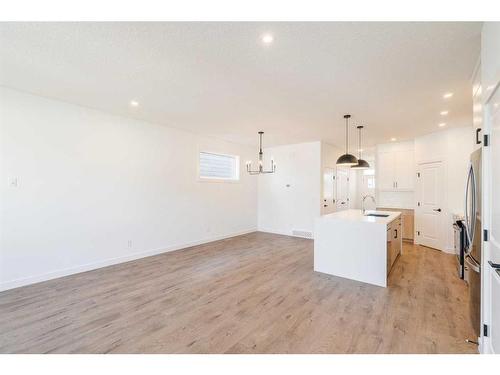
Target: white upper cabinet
x: 404, y: 167
x: 395, y: 167
x: 385, y: 169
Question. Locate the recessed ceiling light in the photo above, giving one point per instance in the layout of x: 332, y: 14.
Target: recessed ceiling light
x: 267, y: 39
x: 393, y: 139
x: 443, y: 124
x: 134, y: 103
x: 443, y: 113
x: 448, y: 95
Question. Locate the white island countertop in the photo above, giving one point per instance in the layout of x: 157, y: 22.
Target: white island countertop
x: 358, y: 216
x: 353, y: 245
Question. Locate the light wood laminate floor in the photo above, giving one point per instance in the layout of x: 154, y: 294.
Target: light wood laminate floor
x: 255, y: 293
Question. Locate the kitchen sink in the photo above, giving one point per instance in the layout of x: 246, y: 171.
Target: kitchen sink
x: 377, y: 215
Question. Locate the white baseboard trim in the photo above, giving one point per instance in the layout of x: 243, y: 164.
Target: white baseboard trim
x: 449, y: 250
x: 267, y: 230
x: 16, y: 283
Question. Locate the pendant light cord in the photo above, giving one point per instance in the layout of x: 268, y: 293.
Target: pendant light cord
x: 359, y: 147
x: 347, y: 135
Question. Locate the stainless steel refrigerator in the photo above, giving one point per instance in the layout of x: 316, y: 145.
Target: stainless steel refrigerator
x: 474, y: 232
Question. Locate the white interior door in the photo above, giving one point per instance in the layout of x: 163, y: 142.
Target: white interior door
x: 430, y: 205
x: 491, y: 208
x: 342, y: 201
x: 328, y: 199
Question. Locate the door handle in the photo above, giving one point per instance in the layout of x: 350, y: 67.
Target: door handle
x: 494, y: 265
x: 438, y: 210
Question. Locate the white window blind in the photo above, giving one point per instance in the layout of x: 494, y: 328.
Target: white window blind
x: 218, y: 166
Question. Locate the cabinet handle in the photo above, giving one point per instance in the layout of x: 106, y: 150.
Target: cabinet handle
x: 478, y: 141
x: 396, y: 233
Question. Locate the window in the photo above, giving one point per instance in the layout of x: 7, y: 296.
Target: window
x: 370, y: 183
x: 369, y: 178
x: 219, y: 166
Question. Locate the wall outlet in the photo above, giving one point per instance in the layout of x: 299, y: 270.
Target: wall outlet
x: 13, y: 182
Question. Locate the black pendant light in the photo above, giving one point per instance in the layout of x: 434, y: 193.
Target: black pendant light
x: 362, y: 164
x: 347, y: 159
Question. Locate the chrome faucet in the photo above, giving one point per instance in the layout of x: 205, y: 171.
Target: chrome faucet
x: 363, y: 202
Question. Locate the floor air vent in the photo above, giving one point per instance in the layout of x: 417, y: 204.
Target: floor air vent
x: 302, y: 233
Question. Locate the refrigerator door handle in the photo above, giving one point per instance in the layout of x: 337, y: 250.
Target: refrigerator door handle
x: 472, y: 264
x: 473, y: 217
x: 466, y: 212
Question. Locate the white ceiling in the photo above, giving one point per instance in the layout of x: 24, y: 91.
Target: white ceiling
x: 220, y: 80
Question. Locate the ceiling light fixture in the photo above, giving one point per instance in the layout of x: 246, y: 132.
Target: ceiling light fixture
x: 362, y: 164
x: 443, y: 124
x: 443, y: 113
x: 134, y: 103
x: 261, y: 154
x: 447, y: 95
x: 267, y: 39
x: 393, y: 139
x: 347, y: 159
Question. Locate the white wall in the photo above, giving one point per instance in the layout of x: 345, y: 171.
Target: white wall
x: 89, y: 182
x: 329, y: 155
x: 454, y: 147
x: 290, y: 198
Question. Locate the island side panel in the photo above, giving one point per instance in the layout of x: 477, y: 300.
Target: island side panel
x: 354, y: 250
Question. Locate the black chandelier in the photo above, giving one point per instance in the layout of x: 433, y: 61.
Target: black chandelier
x: 261, y: 154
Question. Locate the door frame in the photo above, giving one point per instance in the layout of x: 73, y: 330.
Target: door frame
x: 443, y: 240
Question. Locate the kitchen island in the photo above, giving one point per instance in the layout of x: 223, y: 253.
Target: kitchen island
x: 358, y: 246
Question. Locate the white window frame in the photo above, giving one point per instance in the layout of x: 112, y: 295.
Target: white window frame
x: 218, y: 179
